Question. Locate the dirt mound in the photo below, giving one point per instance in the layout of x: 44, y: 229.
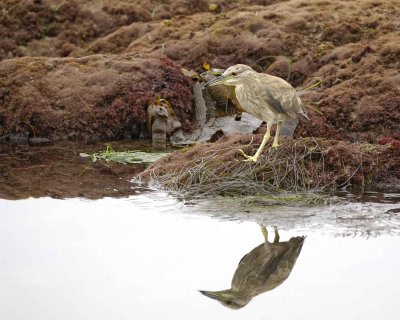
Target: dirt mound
x: 350, y: 46
x: 61, y: 28
x: 356, y: 59
x: 360, y: 95
x: 95, y: 97
x: 302, y: 165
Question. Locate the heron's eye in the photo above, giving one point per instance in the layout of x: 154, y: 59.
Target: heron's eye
x: 234, y: 73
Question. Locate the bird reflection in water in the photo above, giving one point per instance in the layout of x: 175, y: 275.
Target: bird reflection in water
x: 264, y: 268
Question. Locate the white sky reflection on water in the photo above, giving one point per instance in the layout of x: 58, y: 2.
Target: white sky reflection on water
x: 145, y: 258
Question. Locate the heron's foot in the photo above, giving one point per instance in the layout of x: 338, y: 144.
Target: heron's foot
x: 275, y: 144
x: 248, y: 158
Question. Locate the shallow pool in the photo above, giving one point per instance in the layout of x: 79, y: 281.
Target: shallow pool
x: 146, y: 257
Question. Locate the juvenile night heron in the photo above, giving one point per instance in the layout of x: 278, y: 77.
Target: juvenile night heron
x: 266, y: 97
x: 264, y: 268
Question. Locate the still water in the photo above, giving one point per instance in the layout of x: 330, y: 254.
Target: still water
x: 147, y: 256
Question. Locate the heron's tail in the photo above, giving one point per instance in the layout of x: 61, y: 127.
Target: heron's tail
x: 305, y: 115
x: 303, y: 112
x: 297, y: 242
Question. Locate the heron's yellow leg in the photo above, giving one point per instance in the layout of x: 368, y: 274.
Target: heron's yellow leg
x: 267, y: 135
x: 275, y: 144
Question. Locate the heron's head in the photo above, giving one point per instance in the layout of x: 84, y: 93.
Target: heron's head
x: 232, y: 76
x: 229, y: 298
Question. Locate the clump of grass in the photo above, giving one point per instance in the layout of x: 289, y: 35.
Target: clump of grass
x: 292, y: 173
x: 124, y: 157
x: 284, y: 174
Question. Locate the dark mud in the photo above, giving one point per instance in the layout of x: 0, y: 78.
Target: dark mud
x: 59, y: 171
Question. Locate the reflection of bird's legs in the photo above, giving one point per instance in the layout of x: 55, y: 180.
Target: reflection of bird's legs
x: 267, y: 245
x: 276, y: 238
x: 275, y: 144
x: 267, y: 135
x: 264, y: 232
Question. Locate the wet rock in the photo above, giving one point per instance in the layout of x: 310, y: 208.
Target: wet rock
x: 201, y: 109
x: 164, y: 125
x: 159, y: 126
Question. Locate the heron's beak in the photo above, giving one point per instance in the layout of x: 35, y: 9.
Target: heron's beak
x: 218, y: 80
x: 212, y: 294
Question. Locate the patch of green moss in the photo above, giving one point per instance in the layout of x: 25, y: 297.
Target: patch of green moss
x: 124, y: 157
x: 305, y: 199
x: 371, y: 149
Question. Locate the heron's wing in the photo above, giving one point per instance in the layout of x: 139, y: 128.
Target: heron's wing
x: 273, y: 102
x: 281, y: 97
x: 279, y: 268
x: 282, y: 101
x: 287, y: 261
x: 290, y: 101
x: 258, y: 265
x: 271, y: 266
